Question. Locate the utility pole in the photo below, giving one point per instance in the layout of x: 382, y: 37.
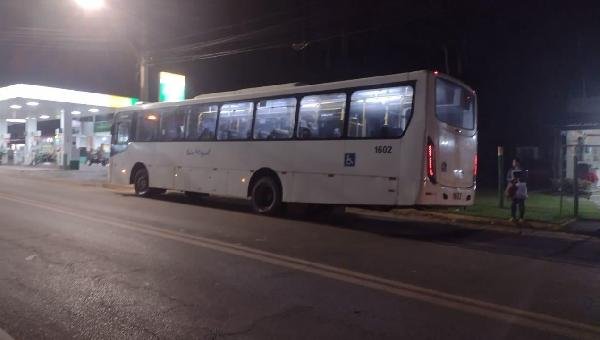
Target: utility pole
x: 446, y: 58
x: 575, y: 187
x: 501, y: 177
x: 144, y: 59
x: 144, y: 81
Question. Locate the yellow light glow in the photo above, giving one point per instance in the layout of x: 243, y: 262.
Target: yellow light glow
x: 151, y: 117
x: 55, y: 94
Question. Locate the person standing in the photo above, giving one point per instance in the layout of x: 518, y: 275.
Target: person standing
x: 517, y: 192
x: 516, y: 166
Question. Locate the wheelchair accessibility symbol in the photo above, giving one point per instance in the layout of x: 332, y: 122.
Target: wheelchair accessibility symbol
x: 350, y: 159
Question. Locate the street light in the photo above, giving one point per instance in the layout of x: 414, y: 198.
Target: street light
x: 91, y: 5
x: 95, y: 5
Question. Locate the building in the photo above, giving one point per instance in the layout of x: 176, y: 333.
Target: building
x: 579, y: 135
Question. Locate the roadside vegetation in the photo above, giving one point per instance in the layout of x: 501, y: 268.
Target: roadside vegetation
x: 541, y: 207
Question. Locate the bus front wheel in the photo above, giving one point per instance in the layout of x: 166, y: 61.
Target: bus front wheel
x: 141, y: 184
x: 266, y: 196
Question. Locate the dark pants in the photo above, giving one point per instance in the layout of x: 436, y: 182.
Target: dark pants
x: 517, y: 202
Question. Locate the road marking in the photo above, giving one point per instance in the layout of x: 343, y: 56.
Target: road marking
x: 539, y: 321
x: 4, y: 335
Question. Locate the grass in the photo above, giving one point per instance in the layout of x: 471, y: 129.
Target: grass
x: 538, y: 207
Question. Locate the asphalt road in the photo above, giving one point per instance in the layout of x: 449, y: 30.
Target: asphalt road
x: 87, y: 262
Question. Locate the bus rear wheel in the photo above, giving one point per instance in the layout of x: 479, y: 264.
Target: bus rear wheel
x: 141, y: 184
x: 266, y: 196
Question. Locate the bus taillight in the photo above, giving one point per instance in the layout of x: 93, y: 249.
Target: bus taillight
x: 475, y: 165
x: 430, y: 157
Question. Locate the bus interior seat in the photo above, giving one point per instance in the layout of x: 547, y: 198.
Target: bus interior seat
x: 305, y: 133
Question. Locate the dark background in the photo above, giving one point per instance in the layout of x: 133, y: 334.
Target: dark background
x: 525, y: 58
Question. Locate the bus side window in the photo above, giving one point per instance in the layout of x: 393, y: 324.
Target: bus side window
x: 147, y: 126
x: 275, y: 119
x: 322, y: 116
x: 380, y: 113
x: 172, y: 126
x: 235, y: 121
x: 202, y: 122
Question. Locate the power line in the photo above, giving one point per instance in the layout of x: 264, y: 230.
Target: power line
x: 224, y: 40
x: 255, y: 48
x: 242, y: 24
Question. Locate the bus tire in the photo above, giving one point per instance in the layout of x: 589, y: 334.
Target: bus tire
x: 266, y: 196
x: 141, y: 184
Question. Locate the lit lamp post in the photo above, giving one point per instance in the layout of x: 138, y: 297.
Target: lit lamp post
x: 96, y: 5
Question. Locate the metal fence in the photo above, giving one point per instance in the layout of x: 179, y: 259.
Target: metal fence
x: 578, y: 181
x: 570, y: 189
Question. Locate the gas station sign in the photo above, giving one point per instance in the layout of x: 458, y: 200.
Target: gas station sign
x: 102, y: 126
x: 172, y: 87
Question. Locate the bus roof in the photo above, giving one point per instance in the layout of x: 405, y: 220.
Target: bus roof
x: 273, y: 90
x: 286, y: 89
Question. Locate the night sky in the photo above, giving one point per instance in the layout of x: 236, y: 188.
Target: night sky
x: 524, y: 58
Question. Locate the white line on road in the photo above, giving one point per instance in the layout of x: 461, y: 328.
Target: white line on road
x: 539, y: 321
x: 4, y: 335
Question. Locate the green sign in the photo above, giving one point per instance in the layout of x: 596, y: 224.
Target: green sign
x: 103, y: 126
x: 172, y: 87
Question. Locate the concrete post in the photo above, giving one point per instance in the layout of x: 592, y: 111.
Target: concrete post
x: 501, y: 177
x: 575, y: 187
x: 3, y: 141
x: 66, y: 126
x: 144, y: 80
x: 87, y: 129
x: 30, y: 140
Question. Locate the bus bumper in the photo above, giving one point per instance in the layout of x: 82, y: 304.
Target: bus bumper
x: 447, y: 196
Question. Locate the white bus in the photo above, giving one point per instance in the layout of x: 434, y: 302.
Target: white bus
x: 406, y: 139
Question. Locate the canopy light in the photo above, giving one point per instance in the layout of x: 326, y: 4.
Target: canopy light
x: 44, y: 93
x: 16, y: 120
x: 33, y: 103
x: 93, y: 110
x: 44, y: 117
x: 75, y: 113
x: 15, y: 106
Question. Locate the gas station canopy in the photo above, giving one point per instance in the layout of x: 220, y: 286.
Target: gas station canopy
x: 29, y: 104
x: 26, y: 101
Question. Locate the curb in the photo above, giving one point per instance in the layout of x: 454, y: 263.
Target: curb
x: 494, y: 221
x: 456, y: 220
x: 78, y: 182
x: 411, y: 214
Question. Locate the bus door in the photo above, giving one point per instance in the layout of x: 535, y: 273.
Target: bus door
x: 122, y: 135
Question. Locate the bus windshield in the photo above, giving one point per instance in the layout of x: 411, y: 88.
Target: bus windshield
x: 454, y: 104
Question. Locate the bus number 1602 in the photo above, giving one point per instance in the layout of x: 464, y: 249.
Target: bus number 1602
x: 383, y: 149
